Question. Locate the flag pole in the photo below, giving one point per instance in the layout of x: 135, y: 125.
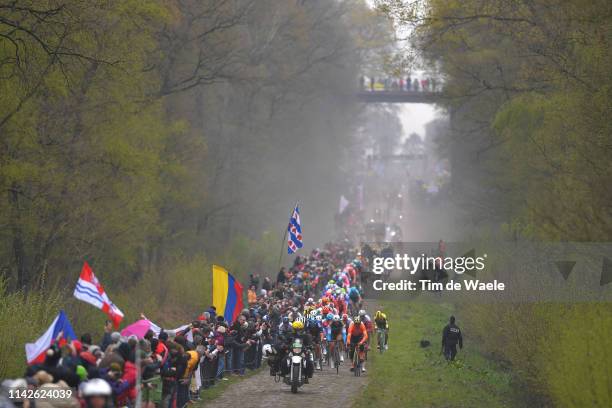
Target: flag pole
x: 283, y: 244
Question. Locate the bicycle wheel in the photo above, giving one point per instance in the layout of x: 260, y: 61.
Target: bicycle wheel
x: 356, y: 363
x: 328, y: 360
x: 337, y: 359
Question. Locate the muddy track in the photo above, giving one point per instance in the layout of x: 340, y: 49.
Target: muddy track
x: 260, y: 390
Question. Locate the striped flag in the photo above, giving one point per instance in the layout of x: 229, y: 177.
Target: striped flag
x: 89, y: 290
x: 227, y: 294
x: 294, y: 232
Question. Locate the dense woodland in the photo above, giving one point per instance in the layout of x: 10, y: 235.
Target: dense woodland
x: 529, y: 88
x: 152, y: 138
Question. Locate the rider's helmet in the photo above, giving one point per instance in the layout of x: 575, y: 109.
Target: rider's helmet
x: 96, y: 388
x: 362, y: 313
x: 325, y: 310
x: 379, y: 314
x: 285, y: 319
x: 344, y: 316
x: 357, y: 320
x: 336, y: 318
x: 297, y: 325
x: 267, y: 349
x: 329, y: 316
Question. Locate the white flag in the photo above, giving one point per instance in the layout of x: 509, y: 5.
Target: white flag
x: 343, y: 204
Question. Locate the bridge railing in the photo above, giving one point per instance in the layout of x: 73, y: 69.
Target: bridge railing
x: 401, y: 84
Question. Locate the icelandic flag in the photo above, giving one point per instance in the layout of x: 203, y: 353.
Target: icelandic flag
x: 89, y: 290
x: 35, y: 352
x: 227, y: 294
x: 294, y: 232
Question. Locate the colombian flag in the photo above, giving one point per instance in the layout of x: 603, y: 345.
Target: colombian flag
x: 227, y: 294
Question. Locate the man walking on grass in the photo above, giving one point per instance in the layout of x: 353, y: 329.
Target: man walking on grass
x: 451, y: 336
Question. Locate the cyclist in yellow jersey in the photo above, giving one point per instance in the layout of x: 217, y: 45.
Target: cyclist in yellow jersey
x: 382, y: 323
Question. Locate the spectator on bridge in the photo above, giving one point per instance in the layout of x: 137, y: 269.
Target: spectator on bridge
x: 424, y: 84
x: 372, y: 83
x: 408, y: 83
x: 415, y: 85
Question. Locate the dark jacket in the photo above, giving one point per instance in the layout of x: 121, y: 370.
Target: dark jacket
x: 451, y: 335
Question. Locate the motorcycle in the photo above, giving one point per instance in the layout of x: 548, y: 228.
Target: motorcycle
x: 296, y: 361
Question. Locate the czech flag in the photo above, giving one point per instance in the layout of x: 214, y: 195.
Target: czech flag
x: 35, y: 352
x: 227, y: 294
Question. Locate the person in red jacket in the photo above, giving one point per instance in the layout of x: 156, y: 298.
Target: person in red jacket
x: 128, y: 396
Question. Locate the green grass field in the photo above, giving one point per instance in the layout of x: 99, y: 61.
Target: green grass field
x: 410, y: 376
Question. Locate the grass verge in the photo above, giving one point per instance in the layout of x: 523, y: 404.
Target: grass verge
x: 408, y: 375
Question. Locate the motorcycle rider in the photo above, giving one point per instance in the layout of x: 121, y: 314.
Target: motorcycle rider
x: 286, y: 342
x: 451, y: 336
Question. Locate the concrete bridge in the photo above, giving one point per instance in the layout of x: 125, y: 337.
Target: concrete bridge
x: 397, y: 96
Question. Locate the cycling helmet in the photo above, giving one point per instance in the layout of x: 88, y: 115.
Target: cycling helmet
x: 285, y: 319
x: 96, y: 387
x: 325, y: 310
x: 329, y: 316
x: 344, y: 316
x: 267, y: 349
x: 362, y: 312
x: 297, y: 325
x: 357, y: 320
x: 379, y: 314
x: 336, y: 318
